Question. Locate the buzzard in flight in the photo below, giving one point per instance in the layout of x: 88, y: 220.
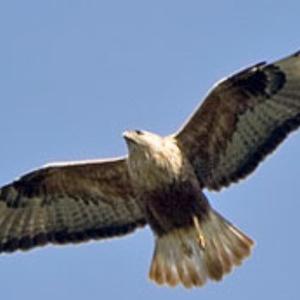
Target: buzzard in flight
x: 242, y: 120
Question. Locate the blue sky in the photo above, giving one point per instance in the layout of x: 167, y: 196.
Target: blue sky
x: 75, y: 74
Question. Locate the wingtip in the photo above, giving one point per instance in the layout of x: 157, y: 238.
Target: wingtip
x: 296, y: 54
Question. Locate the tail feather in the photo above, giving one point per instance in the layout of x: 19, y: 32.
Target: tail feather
x: 191, y: 255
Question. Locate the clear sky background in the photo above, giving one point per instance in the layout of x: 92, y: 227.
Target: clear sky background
x: 75, y: 74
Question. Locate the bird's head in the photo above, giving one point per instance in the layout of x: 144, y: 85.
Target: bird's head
x: 144, y: 141
x: 150, y: 154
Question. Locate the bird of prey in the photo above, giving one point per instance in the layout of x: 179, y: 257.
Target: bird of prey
x: 242, y: 120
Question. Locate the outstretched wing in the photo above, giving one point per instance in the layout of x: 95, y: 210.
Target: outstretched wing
x: 243, y: 119
x: 68, y: 203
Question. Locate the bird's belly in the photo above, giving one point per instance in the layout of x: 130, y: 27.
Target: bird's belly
x: 173, y: 206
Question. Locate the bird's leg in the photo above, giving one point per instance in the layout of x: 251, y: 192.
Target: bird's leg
x: 201, y: 239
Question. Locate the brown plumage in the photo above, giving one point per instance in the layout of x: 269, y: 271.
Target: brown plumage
x: 241, y: 121
x: 68, y: 203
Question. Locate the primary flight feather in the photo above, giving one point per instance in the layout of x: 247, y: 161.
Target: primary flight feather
x: 243, y: 119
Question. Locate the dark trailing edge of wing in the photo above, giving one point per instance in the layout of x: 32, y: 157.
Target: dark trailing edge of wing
x: 276, y: 137
x: 63, y: 237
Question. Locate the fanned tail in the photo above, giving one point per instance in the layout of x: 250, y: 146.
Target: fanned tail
x: 208, y: 249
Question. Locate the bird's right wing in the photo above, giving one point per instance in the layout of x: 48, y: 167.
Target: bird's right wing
x: 68, y: 203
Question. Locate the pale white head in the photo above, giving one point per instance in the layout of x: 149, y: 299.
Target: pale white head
x: 152, y: 157
x: 143, y: 141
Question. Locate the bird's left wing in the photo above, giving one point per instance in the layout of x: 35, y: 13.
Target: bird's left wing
x: 68, y: 203
x: 243, y: 119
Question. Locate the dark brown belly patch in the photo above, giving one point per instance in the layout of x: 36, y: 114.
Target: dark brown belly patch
x: 173, y: 206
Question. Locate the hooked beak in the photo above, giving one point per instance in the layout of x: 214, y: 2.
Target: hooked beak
x: 129, y: 136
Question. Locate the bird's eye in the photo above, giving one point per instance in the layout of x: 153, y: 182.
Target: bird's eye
x: 138, y: 132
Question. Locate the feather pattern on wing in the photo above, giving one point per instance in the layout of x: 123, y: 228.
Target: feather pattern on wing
x: 243, y: 119
x: 68, y: 203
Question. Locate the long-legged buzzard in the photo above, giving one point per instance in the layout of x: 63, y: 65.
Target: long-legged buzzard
x: 160, y: 183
